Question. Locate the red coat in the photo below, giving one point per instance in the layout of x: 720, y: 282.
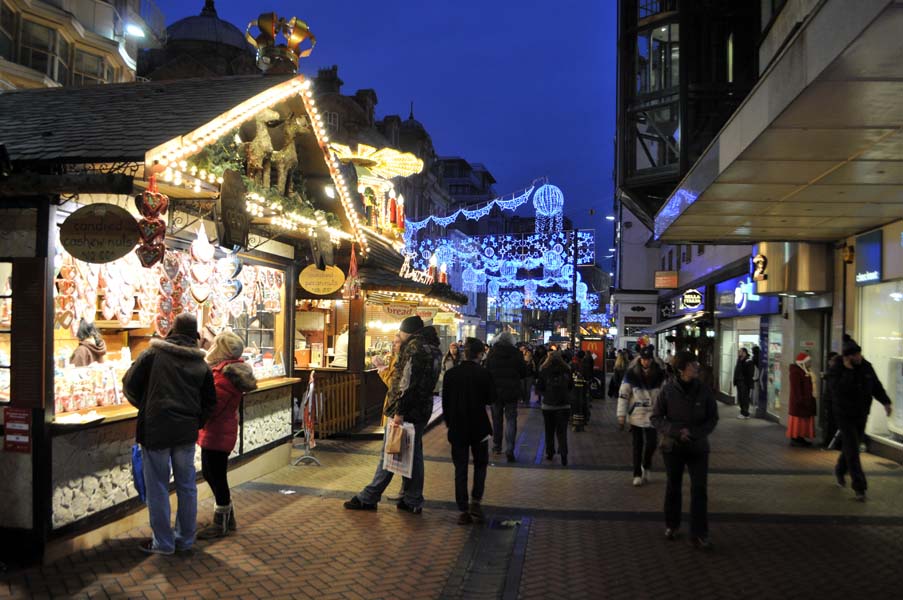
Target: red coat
x: 802, y: 403
x: 232, y: 379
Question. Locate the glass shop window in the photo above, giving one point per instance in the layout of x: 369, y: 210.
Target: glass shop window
x: 6, y: 321
x: 7, y: 31
x: 658, y: 59
x: 655, y: 138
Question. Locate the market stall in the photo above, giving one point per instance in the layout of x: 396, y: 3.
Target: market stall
x: 151, y: 199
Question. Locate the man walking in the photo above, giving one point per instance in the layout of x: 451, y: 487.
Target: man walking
x: 853, y: 384
x: 743, y: 380
x: 410, y: 400
x: 172, y: 387
x: 466, y: 392
x: 507, y: 367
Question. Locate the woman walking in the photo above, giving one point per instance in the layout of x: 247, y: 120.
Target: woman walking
x: 617, y: 374
x: 232, y: 377
x: 639, y: 392
x: 527, y: 382
x: 556, y: 382
x: 801, y: 410
x: 685, y: 415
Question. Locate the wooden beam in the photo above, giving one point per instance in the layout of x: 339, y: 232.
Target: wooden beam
x: 37, y: 184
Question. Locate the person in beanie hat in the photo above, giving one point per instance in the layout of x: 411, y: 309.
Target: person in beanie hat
x: 637, y: 396
x: 232, y: 377
x: 173, y: 389
x: 410, y: 399
x: 853, y: 384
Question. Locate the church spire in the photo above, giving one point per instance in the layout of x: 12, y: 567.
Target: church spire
x: 209, y: 9
x: 411, y: 116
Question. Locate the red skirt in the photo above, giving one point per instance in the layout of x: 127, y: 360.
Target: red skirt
x: 800, y: 427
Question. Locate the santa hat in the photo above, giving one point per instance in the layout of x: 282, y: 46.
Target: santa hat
x: 802, y: 357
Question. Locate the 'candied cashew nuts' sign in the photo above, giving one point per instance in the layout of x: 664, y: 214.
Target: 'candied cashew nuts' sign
x: 99, y: 233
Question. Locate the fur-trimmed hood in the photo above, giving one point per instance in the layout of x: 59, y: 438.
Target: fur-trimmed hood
x: 178, y: 345
x: 240, y: 373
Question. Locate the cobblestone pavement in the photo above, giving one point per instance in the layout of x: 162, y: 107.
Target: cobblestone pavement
x: 781, y: 529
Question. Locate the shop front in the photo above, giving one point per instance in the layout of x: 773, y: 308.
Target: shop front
x: 199, y: 209
x: 742, y: 321
x: 686, y: 324
x: 879, y: 290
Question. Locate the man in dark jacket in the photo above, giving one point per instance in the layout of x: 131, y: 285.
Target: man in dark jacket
x: 685, y: 415
x: 410, y: 399
x: 853, y: 384
x: 507, y: 367
x: 172, y: 387
x: 466, y: 391
x: 743, y: 379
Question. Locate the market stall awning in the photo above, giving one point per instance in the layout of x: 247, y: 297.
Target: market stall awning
x: 816, y: 151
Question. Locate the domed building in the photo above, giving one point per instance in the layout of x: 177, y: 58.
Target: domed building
x: 199, y: 46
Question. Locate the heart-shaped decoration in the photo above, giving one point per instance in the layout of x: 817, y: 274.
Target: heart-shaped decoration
x: 125, y: 317
x: 65, y: 286
x: 201, y: 248
x: 68, y: 271
x: 249, y: 275
x: 162, y: 324
x: 177, y: 291
x: 166, y: 286
x: 151, y: 230
x: 172, y: 264
x: 229, y: 267
x: 127, y: 303
x: 64, y: 318
x: 200, y: 292
x: 150, y: 254
x: 201, y: 272
x: 152, y: 204
x: 108, y: 311
x: 232, y: 289
x: 237, y: 307
x: 165, y: 305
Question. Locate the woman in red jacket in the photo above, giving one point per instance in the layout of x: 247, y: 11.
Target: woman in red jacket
x: 217, y: 438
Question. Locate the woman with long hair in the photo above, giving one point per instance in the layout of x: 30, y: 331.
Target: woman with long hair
x: 617, y: 376
x: 91, y: 347
x: 556, y: 381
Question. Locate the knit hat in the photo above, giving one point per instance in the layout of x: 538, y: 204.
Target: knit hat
x: 849, y: 346
x: 226, y: 346
x: 412, y: 324
x: 185, y: 324
x: 802, y: 356
x: 647, y: 351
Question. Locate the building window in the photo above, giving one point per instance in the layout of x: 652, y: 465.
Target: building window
x: 658, y: 59
x: 45, y: 51
x: 332, y: 121
x: 90, y: 69
x: 648, y: 8
x: 7, y: 29
x: 671, y: 259
x: 655, y: 138
x: 730, y: 58
x: 663, y: 263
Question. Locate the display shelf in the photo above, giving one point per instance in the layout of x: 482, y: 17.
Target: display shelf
x: 269, y: 384
x: 110, y: 414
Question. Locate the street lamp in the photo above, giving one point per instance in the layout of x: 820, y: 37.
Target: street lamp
x: 134, y: 30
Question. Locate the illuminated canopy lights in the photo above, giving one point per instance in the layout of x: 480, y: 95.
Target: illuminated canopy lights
x: 385, y: 162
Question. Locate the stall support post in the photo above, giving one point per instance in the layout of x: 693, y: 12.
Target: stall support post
x: 357, y: 338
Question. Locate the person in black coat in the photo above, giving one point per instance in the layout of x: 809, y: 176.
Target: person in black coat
x: 507, y: 366
x: 172, y: 387
x: 685, y: 415
x: 853, y: 384
x: 744, y: 371
x: 466, y: 392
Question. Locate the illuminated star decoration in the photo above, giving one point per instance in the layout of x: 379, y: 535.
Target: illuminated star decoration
x: 385, y: 162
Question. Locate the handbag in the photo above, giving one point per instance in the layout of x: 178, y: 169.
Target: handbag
x: 394, y: 435
x: 138, y: 473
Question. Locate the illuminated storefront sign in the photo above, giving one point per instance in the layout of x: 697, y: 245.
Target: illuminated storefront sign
x: 736, y: 297
x: 868, y: 258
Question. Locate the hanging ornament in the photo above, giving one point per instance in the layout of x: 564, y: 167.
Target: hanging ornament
x: 352, y: 288
x: 151, y: 204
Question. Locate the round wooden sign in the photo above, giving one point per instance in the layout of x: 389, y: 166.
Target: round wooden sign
x: 99, y: 233
x: 321, y: 283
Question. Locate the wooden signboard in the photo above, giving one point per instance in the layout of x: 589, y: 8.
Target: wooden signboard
x: 99, y: 233
x: 321, y: 283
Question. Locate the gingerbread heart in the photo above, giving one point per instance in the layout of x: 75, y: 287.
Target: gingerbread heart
x: 124, y: 317
x: 65, y: 286
x: 237, y: 307
x: 166, y: 286
x: 172, y: 264
x: 162, y: 324
x: 229, y: 267
x: 201, y: 272
x: 232, y: 289
x: 165, y: 305
x: 152, y: 204
x: 68, y: 271
x: 200, y: 292
x: 177, y: 292
x: 151, y: 230
x: 201, y: 248
x: 64, y: 318
x: 108, y: 311
x: 127, y: 303
x: 150, y: 254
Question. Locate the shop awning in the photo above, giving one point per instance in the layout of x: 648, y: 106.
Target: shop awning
x: 815, y: 152
x: 677, y: 321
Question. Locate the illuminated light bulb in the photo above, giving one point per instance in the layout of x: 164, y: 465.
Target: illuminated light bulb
x: 305, y: 84
x: 203, y: 173
x: 183, y: 164
x: 197, y: 186
x: 219, y: 180
x: 309, y: 94
x: 193, y: 169
x: 167, y: 175
x: 211, y: 178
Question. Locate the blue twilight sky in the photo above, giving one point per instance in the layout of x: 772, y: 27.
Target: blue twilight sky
x: 526, y: 87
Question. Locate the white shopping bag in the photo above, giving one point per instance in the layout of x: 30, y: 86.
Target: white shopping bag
x: 403, y: 462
